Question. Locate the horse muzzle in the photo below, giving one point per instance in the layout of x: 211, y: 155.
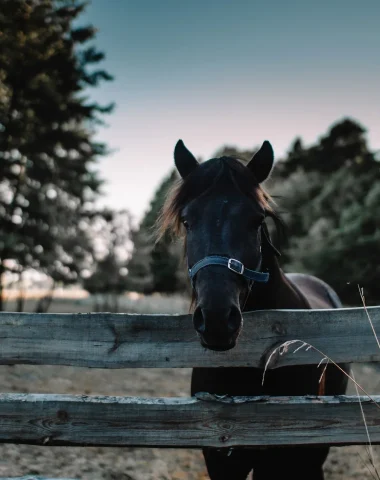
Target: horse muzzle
x: 218, y: 329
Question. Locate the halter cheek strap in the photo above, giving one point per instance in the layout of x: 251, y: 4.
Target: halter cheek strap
x: 232, y: 264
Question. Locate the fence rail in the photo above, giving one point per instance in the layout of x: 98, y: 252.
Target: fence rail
x: 186, y: 422
x: 105, y: 340
x: 118, y: 341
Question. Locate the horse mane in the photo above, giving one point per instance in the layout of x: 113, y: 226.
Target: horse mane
x: 201, y: 181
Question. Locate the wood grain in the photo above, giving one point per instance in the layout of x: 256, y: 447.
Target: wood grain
x: 186, y: 422
x: 119, y: 340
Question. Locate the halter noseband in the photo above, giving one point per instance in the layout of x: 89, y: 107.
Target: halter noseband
x: 236, y: 266
x: 232, y: 264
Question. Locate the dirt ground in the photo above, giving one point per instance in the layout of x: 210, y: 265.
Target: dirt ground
x: 100, y: 463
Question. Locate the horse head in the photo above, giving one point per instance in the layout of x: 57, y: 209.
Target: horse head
x: 220, y: 207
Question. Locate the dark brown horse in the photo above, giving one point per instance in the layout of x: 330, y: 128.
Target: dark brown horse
x: 221, y: 209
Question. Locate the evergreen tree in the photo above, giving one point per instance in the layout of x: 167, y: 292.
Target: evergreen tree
x: 156, y: 267
x: 110, y: 232
x: 47, y: 151
x: 140, y: 278
x: 164, y: 262
x: 331, y: 193
x: 343, y: 146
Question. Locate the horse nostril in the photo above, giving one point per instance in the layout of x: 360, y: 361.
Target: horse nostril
x: 217, y: 323
x: 234, y: 320
x: 198, y: 320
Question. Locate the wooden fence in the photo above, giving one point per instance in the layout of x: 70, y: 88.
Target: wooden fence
x: 120, y: 341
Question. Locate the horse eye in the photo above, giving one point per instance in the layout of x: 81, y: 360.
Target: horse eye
x: 185, y: 224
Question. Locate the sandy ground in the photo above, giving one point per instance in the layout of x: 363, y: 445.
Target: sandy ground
x: 99, y: 463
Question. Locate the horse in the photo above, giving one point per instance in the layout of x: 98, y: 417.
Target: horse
x: 220, y: 208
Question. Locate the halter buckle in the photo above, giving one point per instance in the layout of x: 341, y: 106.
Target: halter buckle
x: 235, y: 266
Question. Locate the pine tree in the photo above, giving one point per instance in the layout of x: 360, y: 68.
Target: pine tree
x: 110, y: 232
x: 156, y: 267
x: 47, y: 151
x: 140, y: 278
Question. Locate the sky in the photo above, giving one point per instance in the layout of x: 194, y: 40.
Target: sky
x: 216, y: 72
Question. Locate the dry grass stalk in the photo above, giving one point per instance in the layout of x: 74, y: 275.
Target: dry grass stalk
x: 362, y: 297
x: 369, y: 449
x: 284, y: 348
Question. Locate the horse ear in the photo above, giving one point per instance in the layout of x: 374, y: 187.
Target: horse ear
x: 262, y: 162
x: 184, y: 160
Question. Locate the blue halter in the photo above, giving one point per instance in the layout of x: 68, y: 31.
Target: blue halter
x: 231, y: 263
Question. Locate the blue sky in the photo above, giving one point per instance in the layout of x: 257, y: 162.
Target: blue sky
x: 216, y: 72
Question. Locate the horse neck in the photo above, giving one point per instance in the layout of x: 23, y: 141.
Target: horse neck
x: 277, y: 293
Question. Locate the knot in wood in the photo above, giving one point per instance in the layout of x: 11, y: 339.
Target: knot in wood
x: 62, y: 415
x: 279, y: 328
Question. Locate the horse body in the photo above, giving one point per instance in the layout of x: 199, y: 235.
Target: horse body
x: 295, y: 291
x: 222, y: 207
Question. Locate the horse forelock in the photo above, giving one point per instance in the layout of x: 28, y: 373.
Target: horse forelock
x: 201, y: 182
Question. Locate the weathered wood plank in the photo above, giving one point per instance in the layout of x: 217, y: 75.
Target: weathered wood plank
x: 186, y: 422
x: 119, y: 340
